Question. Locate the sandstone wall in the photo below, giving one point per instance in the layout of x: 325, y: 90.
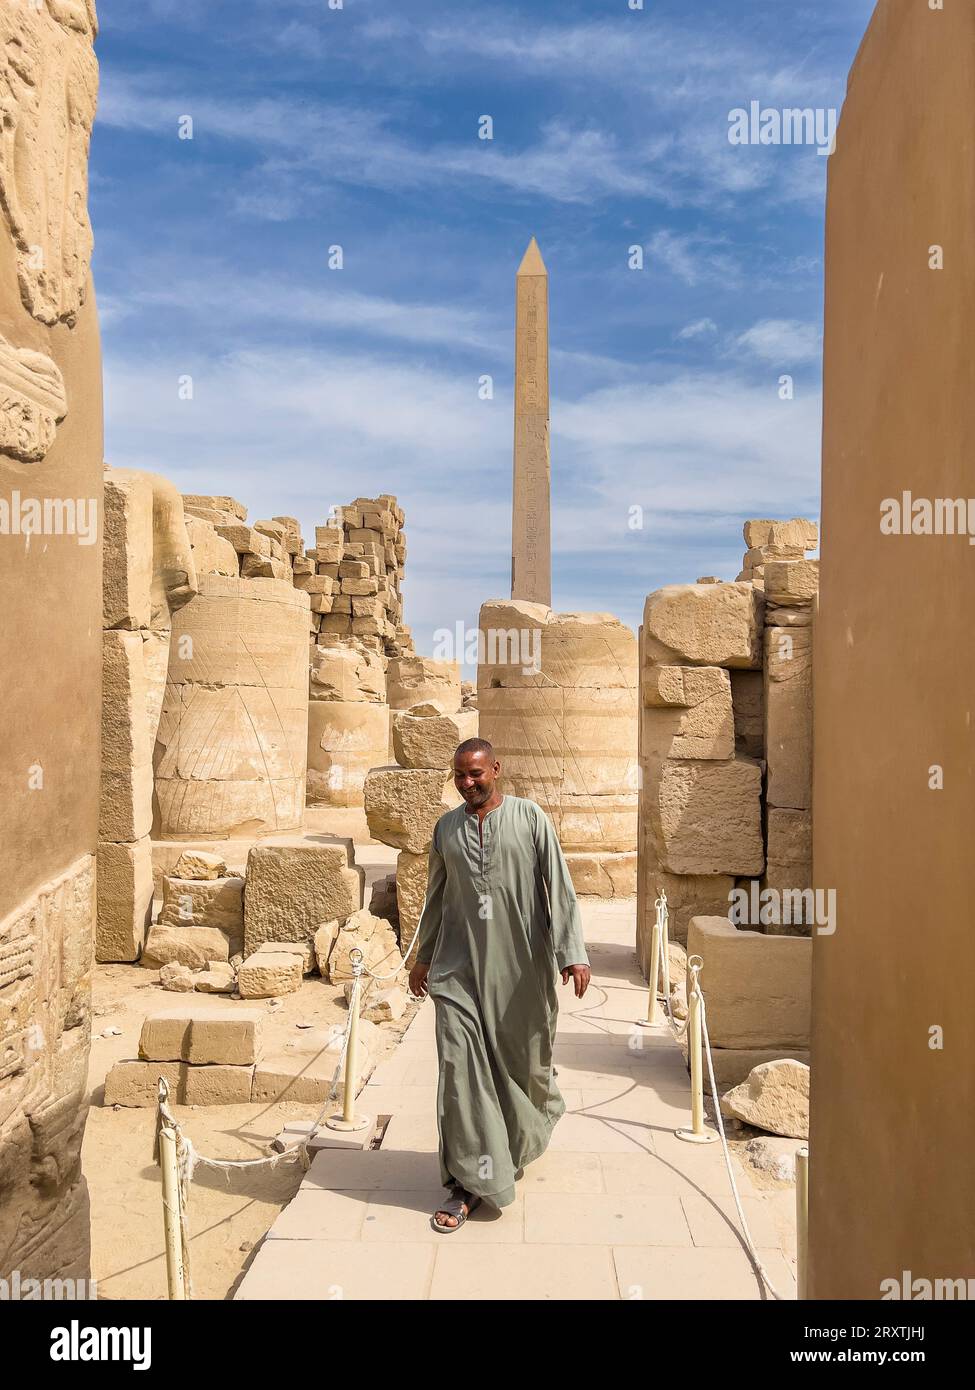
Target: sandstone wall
x: 557, y: 695
x: 891, y: 1105
x: 50, y: 573
x: 726, y: 736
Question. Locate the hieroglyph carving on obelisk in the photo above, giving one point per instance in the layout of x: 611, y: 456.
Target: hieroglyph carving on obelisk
x: 531, y: 534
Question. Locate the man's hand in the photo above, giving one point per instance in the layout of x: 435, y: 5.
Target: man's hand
x: 418, y: 980
x: 581, y: 974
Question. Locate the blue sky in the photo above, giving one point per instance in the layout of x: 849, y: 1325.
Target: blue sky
x: 358, y: 127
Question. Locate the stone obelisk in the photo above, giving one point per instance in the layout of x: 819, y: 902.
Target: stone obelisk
x: 531, y: 532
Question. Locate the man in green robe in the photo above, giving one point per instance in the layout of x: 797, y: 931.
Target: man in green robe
x: 500, y: 918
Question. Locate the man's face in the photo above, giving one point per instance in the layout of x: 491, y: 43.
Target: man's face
x: 475, y: 776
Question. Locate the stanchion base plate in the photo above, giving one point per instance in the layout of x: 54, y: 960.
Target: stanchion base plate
x: 689, y: 1137
x: 347, y: 1126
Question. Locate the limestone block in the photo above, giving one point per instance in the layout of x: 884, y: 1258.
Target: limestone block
x: 429, y: 740
x: 322, y: 943
x: 126, y: 551
x: 178, y: 979
x: 603, y: 875
x: 124, y: 899
x: 269, y: 973
x: 307, y: 1078
x: 748, y: 700
x: 411, y: 680
x: 589, y: 650
x: 125, y: 813
x: 218, y: 1085
x: 791, y: 582
x: 599, y: 740
x: 386, y: 1006
x: 705, y: 817
x: 789, y: 849
x: 293, y: 887
x: 304, y: 950
x: 688, y: 895
x: 404, y: 804
x: 525, y: 727
x: 597, y: 824
x: 192, y: 946
x: 345, y: 740
x: 345, y: 673
x: 314, y: 583
x: 732, y: 1065
x: 511, y: 634
x: 411, y: 892
x: 704, y: 625
x: 211, y: 553
x: 688, y: 713
x: 135, y: 1083
x: 216, y: 902
x: 359, y: 587
x: 781, y: 537
x: 373, y: 936
x: 220, y: 978
x: 757, y: 987
x: 774, y: 1098
x: 201, y: 1033
x: 199, y: 864
x: 245, y: 540
x: 233, y: 738
x: 264, y: 567
x: 788, y: 716
x: 328, y: 544
x: 228, y: 505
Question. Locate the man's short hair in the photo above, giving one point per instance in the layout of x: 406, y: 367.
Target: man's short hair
x: 474, y: 745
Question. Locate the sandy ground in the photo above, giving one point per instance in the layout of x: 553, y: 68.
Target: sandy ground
x: 228, y: 1214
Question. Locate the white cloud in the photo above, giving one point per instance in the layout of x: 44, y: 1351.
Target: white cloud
x: 702, y: 328
x: 295, y: 432
x: 693, y: 258
x: 784, y: 342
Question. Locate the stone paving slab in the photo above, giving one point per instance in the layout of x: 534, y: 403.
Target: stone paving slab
x: 617, y: 1208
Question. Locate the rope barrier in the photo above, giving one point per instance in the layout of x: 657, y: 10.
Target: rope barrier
x: 697, y: 1010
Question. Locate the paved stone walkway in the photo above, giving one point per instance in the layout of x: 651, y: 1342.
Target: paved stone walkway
x: 618, y: 1208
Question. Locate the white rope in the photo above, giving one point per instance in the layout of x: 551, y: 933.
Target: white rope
x: 727, y: 1157
x: 191, y: 1158
x: 679, y: 1034
x: 402, y: 965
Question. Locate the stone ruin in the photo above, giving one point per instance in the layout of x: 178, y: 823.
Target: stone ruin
x: 726, y: 790
x: 557, y: 695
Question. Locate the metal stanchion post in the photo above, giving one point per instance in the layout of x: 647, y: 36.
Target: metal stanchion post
x: 653, y: 1018
x: 175, y: 1271
x: 698, y: 1132
x: 348, y: 1119
x: 802, y: 1219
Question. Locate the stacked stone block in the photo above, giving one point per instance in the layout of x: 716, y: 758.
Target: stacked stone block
x: 355, y: 572
x: 354, y: 579
x: 404, y: 801
x: 726, y: 724
x: 148, y: 574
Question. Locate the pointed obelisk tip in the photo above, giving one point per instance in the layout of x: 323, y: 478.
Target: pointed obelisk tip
x: 531, y: 262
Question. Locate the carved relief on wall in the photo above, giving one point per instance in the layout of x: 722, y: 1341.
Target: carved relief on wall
x: 48, y: 95
x: 32, y: 403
